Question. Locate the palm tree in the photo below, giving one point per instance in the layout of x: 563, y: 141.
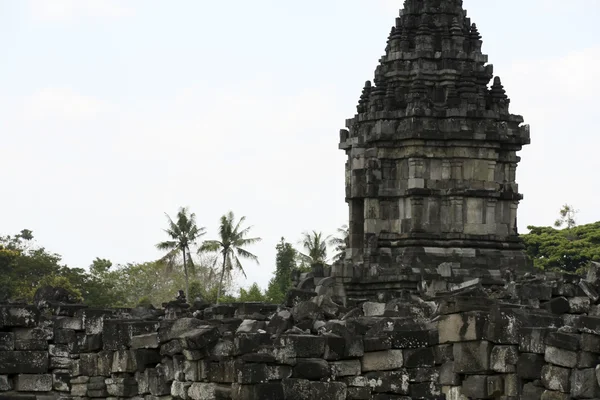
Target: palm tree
x: 231, y: 245
x: 184, y: 233
x: 339, y: 243
x: 315, y: 246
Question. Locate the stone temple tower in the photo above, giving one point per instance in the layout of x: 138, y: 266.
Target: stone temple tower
x: 432, y: 152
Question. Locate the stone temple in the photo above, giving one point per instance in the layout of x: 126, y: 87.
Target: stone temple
x: 432, y: 153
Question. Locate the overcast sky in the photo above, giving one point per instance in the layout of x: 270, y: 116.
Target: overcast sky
x: 113, y: 112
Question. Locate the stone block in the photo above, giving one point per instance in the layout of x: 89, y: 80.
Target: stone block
x: 462, y: 327
x: 556, y: 378
x: 146, y: 341
x: 425, y: 390
x: 61, y: 363
x: 311, y: 369
x: 533, y: 340
x: 579, y: 305
x: 328, y: 390
x: 587, y: 360
x: 124, y: 387
x: 396, y: 382
x: 223, y: 371
x: 61, y: 380
x: 88, y: 364
x: 532, y: 392
x: 252, y: 374
x: 566, y: 341
x: 31, y: 345
x: 512, y: 385
x: 447, y: 375
x: 19, y: 316
x: 7, y: 341
x: 590, y: 342
x: 296, y: 389
x: 33, y: 382
x: 376, y: 343
x: 584, y: 384
x: 345, y: 368
x: 422, y: 357
x: 72, y: 323
x: 529, y: 366
x: 371, y: 309
x: 23, y: 362
x: 382, y: 360
x: 552, y: 395
x: 504, y: 358
x: 413, y: 339
x: 472, y: 357
x: 303, y: 346
x: 259, y: 391
x: 358, y: 393
x: 124, y: 361
x: 483, y: 386
x: 5, y: 383
x: 58, y: 350
x: 427, y: 374
x: 179, y: 390
x: 443, y: 353
x: 561, y: 357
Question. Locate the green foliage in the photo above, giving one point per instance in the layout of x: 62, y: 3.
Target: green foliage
x: 568, y: 249
x: 339, y: 243
x: 285, y: 265
x: 58, y: 282
x: 183, y: 233
x: 253, y: 294
x: 315, y: 246
x: 145, y: 302
x: 231, y: 245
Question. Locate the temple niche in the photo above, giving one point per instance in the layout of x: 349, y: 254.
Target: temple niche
x: 432, y: 153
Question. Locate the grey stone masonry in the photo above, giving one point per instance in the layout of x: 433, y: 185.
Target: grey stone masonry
x: 475, y: 343
x: 432, y: 151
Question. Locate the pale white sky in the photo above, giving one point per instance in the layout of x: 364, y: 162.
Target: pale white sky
x: 113, y: 112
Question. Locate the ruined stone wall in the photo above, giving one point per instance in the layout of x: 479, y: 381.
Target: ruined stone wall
x: 535, y: 338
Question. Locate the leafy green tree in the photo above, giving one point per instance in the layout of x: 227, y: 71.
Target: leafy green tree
x: 184, y: 233
x: 315, y: 247
x: 339, y: 243
x: 285, y: 265
x: 231, y: 245
x: 568, y: 249
x: 253, y: 294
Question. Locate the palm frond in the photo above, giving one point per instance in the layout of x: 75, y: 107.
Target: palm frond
x: 210, y: 246
x: 246, y: 254
x: 238, y: 265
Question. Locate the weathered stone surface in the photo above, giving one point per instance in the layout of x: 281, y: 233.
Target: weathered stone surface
x: 23, y: 362
x: 389, y: 381
x: 33, y: 382
x: 382, y: 360
x: 472, y: 357
x: 529, y: 366
x: 5, y: 383
x: 7, y: 341
x: 556, y: 378
x: 147, y: 341
x: 561, y: 357
x: 504, y: 358
x: 584, y: 384
x: 345, y: 368
x: 311, y: 369
x: 462, y: 327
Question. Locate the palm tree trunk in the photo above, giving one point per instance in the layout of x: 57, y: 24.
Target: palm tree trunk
x: 222, y: 275
x: 185, y: 271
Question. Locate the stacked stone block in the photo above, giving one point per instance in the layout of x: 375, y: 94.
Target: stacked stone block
x: 533, y: 338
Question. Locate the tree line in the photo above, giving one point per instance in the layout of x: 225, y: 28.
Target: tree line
x: 208, y: 269
x: 205, y: 269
